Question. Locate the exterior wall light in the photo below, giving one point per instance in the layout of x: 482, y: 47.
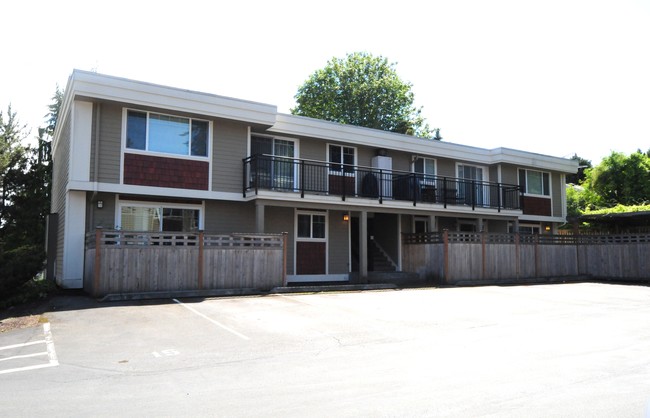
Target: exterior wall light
x: 346, y: 217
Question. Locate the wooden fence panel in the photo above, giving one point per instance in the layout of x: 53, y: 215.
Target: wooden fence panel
x: 146, y: 262
x: 425, y: 260
x: 465, y: 262
x: 500, y: 261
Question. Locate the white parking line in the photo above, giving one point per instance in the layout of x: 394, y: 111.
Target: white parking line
x: 49, y: 345
x: 240, y: 335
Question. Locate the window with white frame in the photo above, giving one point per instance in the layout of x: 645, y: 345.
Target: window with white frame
x: 535, y: 182
x: 339, y: 155
x: 159, y: 218
x: 148, y: 131
x: 311, y: 226
x: 423, y: 165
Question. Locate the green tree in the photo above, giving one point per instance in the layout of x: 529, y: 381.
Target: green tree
x: 362, y: 90
x: 619, y: 179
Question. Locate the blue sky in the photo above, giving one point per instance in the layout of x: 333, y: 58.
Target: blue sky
x: 552, y: 77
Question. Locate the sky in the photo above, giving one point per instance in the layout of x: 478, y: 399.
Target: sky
x: 551, y: 77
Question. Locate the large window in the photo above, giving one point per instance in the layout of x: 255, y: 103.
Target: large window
x: 535, y: 182
x: 424, y: 165
x: 158, y: 218
x: 167, y: 134
x: 277, y: 173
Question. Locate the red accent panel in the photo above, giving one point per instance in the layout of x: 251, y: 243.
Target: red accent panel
x: 537, y: 206
x: 310, y: 257
x: 337, y: 183
x: 145, y: 170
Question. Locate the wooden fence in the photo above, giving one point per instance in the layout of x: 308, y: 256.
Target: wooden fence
x: 454, y: 257
x: 127, y: 262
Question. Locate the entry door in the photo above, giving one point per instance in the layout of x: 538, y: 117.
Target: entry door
x: 468, y: 190
x: 311, y: 243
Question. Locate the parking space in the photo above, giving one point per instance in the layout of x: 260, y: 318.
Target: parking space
x: 557, y: 350
x: 28, y: 349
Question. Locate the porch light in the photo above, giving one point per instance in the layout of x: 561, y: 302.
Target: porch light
x: 346, y: 217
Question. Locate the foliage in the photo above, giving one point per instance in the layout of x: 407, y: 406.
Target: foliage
x: 619, y: 184
x: 619, y: 209
x: 362, y: 90
x: 25, y: 181
x: 620, y: 179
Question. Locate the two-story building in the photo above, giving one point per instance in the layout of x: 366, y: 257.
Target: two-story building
x: 136, y: 156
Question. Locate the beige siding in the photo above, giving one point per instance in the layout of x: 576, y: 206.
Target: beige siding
x: 100, y: 218
x: 446, y: 167
x: 222, y: 217
x: 61, y: 167
x: 338, y: 243
x: 509, y: 174
x: 229, y: 147
x: 311, y: 149
x: 279, y: 220
x: 110, y: 142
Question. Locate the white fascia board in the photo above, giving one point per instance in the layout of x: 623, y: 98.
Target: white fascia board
x: 154, y: 191
x: 331, y: 131
x: 99, y: 86
x: 538, y: 218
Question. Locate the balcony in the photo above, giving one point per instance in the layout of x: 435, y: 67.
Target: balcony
x: 265, y: 172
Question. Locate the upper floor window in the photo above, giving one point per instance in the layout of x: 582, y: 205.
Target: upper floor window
x: 339, y: 154
x: 535, y: 182
x: 167, y: 134
x: 423, y: 165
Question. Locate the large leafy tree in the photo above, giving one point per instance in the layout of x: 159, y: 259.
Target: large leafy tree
x: 579, y: 177
x: 620, y: 179
x: 362, y: 90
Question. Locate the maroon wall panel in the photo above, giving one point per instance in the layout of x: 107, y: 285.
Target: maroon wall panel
x: 310, y: 257
x: 537, y: 206
x: 146, y: 170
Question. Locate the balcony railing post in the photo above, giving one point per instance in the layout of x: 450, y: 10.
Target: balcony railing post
x: 499, y: 191
x: 257, y: 173
x: 414, y: 188
x: 244, y: 165
x: 444, y: 191
x: 381, y: 186
x: 474, y: 193
x: 302, y: 178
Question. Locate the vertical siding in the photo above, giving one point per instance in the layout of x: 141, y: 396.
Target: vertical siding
x: 110, y: 142
x: 222, y: 217
x: 338, y: 243
x: 229, y: 147
x: 60, y: 175
x: 279, y: 220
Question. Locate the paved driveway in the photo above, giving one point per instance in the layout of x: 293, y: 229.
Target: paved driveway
x: 578, y: 350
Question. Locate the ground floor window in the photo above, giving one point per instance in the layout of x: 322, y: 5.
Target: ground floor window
x: 158, y: 218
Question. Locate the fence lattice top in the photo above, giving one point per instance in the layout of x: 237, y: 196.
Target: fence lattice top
x: 182, y: 239
x: 543, y: 239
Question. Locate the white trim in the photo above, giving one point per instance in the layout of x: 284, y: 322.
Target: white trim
x: 550, y: 182
x: 156, y: 191
x: 80, y: 140
x: 74, y: 237
x: 539, y: 218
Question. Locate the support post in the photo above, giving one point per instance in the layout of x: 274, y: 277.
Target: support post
x: 200, y: 266
x: 285, y: 240
x: 259, y: 218
x: 483, y: 256
x: 445, y: 255
x: 363, y: 247
x: 98, y: 260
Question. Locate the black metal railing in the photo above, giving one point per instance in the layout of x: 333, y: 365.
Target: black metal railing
x: 265, y: 172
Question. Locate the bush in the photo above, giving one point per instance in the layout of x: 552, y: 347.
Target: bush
x: 18, y: 266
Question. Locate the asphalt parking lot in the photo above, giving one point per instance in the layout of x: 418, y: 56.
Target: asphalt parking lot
x: 580, y: 350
